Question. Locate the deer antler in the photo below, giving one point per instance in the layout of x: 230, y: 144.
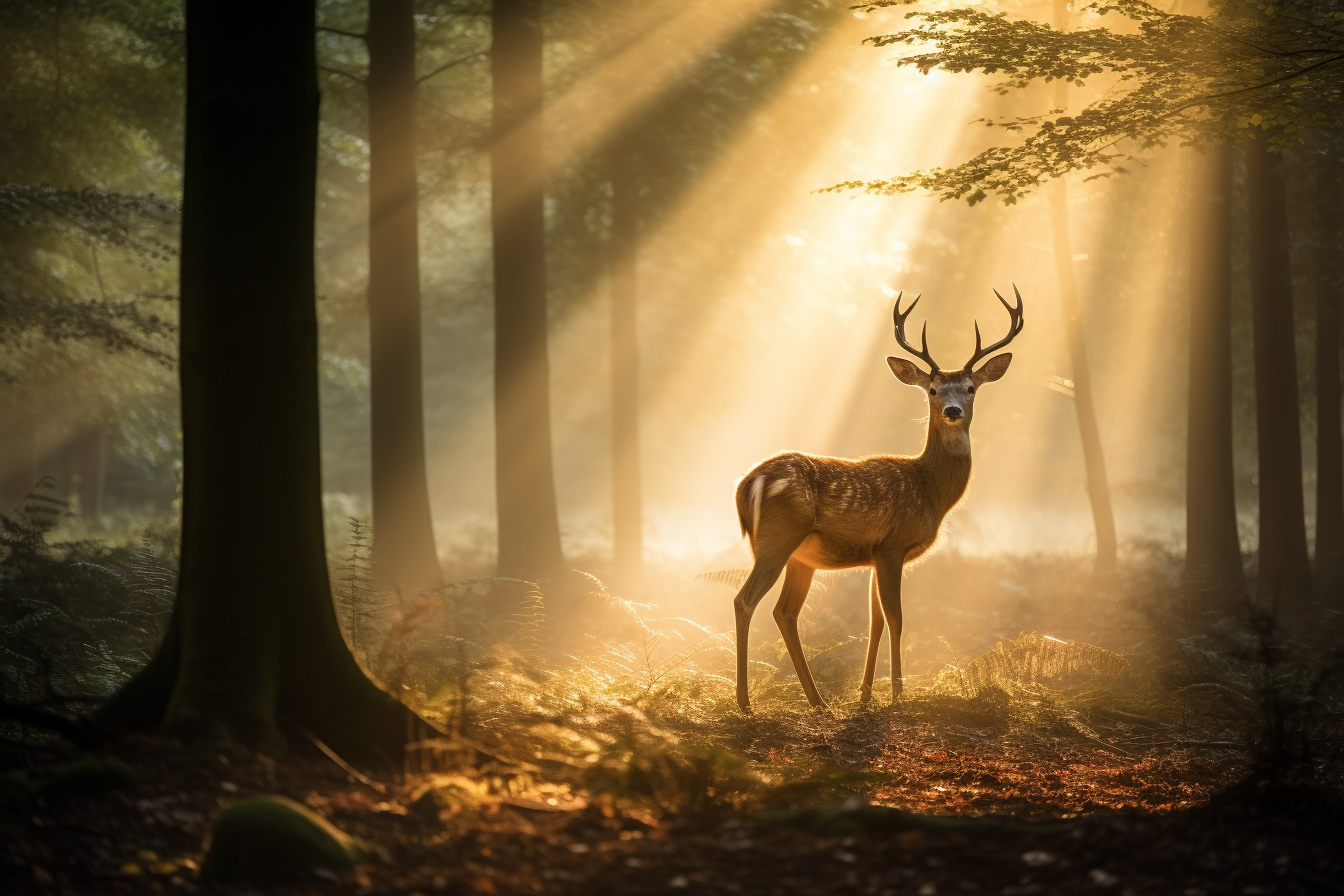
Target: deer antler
x: 1014, y: 327
x: 899, y: 318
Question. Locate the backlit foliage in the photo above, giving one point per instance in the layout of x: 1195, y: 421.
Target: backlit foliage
x: 1172, y: 77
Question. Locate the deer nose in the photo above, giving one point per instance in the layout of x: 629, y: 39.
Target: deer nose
x: 952, y: 412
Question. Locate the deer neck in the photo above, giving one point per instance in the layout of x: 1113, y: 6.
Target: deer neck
x: 947, y: 461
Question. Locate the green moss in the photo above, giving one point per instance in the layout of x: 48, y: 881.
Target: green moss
x: 268, y: 837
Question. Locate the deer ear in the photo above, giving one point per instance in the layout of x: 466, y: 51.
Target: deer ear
x: 992, y: 369
x: 907, y: 372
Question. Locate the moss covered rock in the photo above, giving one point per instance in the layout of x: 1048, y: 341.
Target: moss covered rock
x: 269, y: 837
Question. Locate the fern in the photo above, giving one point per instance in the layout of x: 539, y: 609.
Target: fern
x: 359, y: 603
x: 529, y: 619
x: 76, y: 618
x: 821, y: 579
x: 1034, y: 658
x: 733, y: 578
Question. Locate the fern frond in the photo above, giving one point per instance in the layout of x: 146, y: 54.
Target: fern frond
x: 733, y: 578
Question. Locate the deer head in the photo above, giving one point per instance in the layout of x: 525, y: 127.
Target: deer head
x: 952, y: 392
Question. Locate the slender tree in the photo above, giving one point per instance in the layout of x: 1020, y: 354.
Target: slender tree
x: 1094, y: 456
x: 627, y: 504
x: 1213, y: 548
x: 529, y: 526
x: 1329, y: 445
x: 403, y: 533
x: 253, y: 643
x: 1285, y: 567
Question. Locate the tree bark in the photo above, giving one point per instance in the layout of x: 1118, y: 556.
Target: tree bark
x: 627, y: 501
x: 1285, y: 568
x: 1094, y: 458
x: 253, y: 642
x: 1213, y: 549
x: 1329, y: 444
x: 529, y: 526
x: 403, y: 530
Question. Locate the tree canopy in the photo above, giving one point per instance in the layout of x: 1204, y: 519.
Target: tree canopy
x: 1194, y: 79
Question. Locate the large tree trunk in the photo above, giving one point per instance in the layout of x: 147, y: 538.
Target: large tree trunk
x: 627, y: 504
x: 1329, y: 445
x: 1213, y: 549
x: 1094, y: 458
x: 529, y: 526
x: 253, y: 642
x: 1285, y: 568
x: 403, y: 531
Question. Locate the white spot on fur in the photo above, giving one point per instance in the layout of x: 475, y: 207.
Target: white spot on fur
x: 776, y: 487
x: 756, y: 488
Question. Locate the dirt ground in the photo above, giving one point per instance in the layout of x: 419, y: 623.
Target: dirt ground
x: 1074, y: 818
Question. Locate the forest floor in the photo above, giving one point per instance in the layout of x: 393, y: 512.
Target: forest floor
x: 1082, y: 740
x: 989, y: 811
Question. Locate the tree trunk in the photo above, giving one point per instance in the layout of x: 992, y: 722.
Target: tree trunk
x: 627, y: 505
x: 1285, y: 568
x: 403, y: 531
x: 1329, y: 445
x: 91, y: 462
x: 529, y: 526
x: 1213, y: 549
x: 1094, y: 458
x: 21, y: 465
x: 253, y: 642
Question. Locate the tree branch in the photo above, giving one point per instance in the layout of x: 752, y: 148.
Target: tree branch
x: 448, y: 65
x: 1279, y: 80
x: 356, y: 35
x: 336, y: 71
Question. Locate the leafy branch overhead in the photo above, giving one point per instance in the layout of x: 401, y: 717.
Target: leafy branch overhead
x: 82, y: 221
x: 1275, y: 66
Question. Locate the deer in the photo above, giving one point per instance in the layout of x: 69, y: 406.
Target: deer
x: 804, y: 512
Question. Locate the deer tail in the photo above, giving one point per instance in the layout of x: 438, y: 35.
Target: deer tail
x: 749, y: 495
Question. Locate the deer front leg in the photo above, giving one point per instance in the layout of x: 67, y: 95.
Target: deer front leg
x: 888, y: 574
x: 797, y: 583
x: 763, y: 575
x: 875, y: 623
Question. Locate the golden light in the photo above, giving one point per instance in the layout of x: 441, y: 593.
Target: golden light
x: 765, y: 306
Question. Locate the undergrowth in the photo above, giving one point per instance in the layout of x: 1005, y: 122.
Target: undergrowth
x: 581, y: 693
x: 640, y: 709
x: 77, y: 618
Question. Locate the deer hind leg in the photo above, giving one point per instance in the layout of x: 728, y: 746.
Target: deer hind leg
x: 875, y: 624
x: 766, y: 570
x: 797, y: 584
x: 888, y: 576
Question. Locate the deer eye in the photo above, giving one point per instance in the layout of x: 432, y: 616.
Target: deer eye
x: 933, y: 391
x: 970, y: 390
